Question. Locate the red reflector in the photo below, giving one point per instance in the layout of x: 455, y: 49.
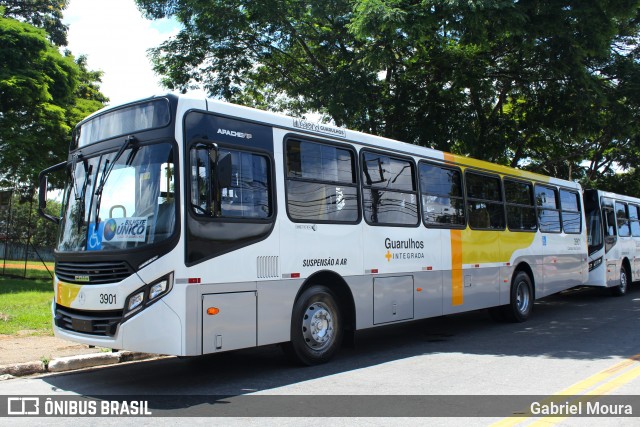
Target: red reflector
x: 295, y: 275
x: 429, y: 268
x: 194, y: 280
x: 374, y: 271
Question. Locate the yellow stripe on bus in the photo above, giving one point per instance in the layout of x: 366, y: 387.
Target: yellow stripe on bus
x: 67, y: 293
x: 457, y: 287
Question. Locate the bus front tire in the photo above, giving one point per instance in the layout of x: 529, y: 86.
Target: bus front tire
x: 622, y: 288
x: 316, y: 327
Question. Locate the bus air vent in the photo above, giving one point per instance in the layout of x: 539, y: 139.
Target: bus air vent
x: 93, y: 273
x: 267, y: 267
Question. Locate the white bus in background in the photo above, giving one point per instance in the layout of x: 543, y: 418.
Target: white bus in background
x: 613, y: 229
x: 191, y: 226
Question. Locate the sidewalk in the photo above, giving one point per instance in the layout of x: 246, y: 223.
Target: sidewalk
x: 27, y: 355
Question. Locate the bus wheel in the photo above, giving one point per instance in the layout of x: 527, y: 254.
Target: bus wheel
x: 621, y: 289
x: 521, y: 301
x: 316, y: 327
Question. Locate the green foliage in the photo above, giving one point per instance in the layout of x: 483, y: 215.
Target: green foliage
x: 43, y: 93
x: 546, y: 85
x: 45, y: 14
x: 622, y: 183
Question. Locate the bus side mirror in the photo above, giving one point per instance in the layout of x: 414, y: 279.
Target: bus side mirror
x: 42, y: 192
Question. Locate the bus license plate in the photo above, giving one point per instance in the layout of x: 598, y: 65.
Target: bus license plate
x: 81, y: 325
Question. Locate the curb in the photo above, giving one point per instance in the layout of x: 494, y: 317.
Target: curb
x: 71, y: 363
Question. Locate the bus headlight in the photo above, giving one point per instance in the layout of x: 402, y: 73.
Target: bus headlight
x: 595, y: 263
x: 158, y: 289
x: 135, y: 301
x: 148, y: 294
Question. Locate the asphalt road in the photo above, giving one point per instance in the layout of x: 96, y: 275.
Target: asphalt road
x: 579, y: 342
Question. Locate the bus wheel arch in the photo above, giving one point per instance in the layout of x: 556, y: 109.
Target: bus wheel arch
x: 521, y: 297
x: 625, y: 279
x: 627, y: 265
x: 322, y: 312
x: 526, y: 268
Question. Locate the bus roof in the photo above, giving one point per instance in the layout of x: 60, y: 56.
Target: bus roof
x: 321, y: 130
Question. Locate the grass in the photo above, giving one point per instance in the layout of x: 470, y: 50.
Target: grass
x: 25, y: 306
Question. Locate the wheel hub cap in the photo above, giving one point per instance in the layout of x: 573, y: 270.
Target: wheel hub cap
x: 317, y: 326
x: 522, y: 298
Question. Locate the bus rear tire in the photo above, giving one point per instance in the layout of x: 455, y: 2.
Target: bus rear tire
x: 622, y: 288
x: 521, y: 299
x: 316, y: 327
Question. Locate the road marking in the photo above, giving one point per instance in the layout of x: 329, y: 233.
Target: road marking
x: 613, y: 378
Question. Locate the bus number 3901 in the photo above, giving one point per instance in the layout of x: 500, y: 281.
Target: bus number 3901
x: 107, y: 298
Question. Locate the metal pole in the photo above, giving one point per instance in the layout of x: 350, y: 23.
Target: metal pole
x: 26, y: 249
x: 6, y: 234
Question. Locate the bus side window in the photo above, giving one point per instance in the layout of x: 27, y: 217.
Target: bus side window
x: 485, y: 207
x: 321, y: 184
x: 610, y: 219
x: 623, y: 220
x: 548, y: 212
x: 389, y: 190
x: 635, y: 220
x: 442, y: 196
x: 571, y: 213
x: 239, y: 189
x: 521, y: 211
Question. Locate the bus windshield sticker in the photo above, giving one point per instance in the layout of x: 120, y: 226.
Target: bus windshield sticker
x: 116, y: 230
x: 125, y: 230
x: 94, y: 238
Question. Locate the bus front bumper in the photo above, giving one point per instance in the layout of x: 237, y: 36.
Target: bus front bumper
x: 156, y: 329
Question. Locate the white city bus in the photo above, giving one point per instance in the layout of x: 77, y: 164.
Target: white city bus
x: 613, y: 229
x: 191, y: 226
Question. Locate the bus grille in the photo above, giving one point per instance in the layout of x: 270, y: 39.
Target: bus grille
x: 93, y: 273
x: 102, y: 323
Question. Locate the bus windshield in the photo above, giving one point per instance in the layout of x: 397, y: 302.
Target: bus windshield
x: 594, y: 230
x: 120, y: 202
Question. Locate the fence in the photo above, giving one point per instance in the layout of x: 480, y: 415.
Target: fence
x: 18, y: 252
x: 19, y: 225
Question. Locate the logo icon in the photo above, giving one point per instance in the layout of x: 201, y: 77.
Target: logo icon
x: 110, y: 229
x: 23, y: 406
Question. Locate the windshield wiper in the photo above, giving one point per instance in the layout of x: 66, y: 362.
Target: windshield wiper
x: 131, y: 141
x: 80, y: 196
x: 74, y: 163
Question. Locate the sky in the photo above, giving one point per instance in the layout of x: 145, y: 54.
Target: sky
x: 115, y: 38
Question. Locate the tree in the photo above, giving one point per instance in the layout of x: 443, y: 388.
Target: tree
x: 45, y: 14
x: 544, y: 85
x: 22, y: 223
x: 43, y: 93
